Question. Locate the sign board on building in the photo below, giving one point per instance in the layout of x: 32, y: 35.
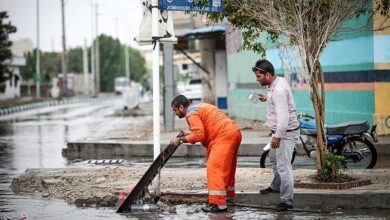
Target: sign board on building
x: 190, y: 5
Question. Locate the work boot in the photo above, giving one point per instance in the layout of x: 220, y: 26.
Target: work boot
x: 283, y: 207
x: 230, y: 202
x: 268, y: 190
x: 213, y: 209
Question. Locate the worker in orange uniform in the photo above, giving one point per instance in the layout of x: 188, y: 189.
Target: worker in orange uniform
x: 221, y: 136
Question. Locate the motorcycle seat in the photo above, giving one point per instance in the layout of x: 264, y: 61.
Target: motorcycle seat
x: 346, y: 128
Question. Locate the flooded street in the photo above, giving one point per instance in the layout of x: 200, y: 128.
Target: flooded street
x: 34, y: 139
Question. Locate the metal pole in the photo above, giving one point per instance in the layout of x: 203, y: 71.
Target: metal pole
x: 127, y: 63
x: 93, y: 72
x: 169, y: 87
x: 156, y: 91
x: 116, y: 27
x: 38, y: 64
x: 64, y: 55
x: 85, y: 68
x: 97, y: 53
x: 192, y: 20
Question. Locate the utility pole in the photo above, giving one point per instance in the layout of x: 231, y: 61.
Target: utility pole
x: 127, y: 63
x: 127, y: 60
x: 93, y: 71
x: 156, y: 90
x: 64, y: 54
x: 97, y: 52
x: 169, y: 91
x: 38, y: 64
x: 116, y: 27
x: 85, y: 68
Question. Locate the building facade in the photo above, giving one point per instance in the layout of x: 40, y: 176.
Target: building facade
x: 357, y: 76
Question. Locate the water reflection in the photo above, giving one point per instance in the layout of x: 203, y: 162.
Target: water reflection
x: 6, y: 169
x: 35, y: 141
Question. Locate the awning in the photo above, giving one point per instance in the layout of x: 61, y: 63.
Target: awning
x: 205, y: 32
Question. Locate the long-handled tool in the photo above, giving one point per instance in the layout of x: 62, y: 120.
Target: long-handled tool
x: 147, y: 178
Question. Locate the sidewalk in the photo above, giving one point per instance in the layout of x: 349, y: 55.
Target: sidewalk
x: 9, y: 107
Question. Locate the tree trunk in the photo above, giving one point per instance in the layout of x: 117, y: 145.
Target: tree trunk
x: 318, y: 98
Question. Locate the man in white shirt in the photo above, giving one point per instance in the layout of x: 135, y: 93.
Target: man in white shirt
x: 282, y: 121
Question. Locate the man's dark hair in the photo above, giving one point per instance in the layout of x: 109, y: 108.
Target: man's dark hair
x: 180, y: 100
x: 264, y: 66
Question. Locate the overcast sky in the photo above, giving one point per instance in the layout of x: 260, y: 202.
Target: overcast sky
x: 117, y: 18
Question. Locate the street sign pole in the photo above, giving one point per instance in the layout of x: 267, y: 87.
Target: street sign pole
x: 38, y: 63
x: 187, y: 5
x: 156, y: 91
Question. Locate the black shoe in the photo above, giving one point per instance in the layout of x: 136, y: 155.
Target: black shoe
x: 283, y: 207
x: 268, y: 190
x: 230, y: 202
x: 213, y: 209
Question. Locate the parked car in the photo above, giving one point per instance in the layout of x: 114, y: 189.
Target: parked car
x: 121, y: 83
x: 192, y: 89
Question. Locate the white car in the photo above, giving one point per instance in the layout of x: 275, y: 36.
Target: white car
x: 121, y: 83
x: 192, y: 89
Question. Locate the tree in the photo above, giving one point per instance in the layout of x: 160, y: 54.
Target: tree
x: 27, y: 71
x: 112, y: 62
x: 308, y: 25
x: 137, y: 66
x: 50, y: 65
x: 75, y: 60
x: 5, y: 44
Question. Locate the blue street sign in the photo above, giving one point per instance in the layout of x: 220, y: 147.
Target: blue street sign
x: 190, y: 5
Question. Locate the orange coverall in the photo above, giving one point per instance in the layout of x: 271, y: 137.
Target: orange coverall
x: 221, y: 136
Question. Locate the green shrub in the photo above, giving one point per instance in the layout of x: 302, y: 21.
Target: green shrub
x: 330, y: 171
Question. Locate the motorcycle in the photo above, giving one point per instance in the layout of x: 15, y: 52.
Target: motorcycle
x: 350, y: 140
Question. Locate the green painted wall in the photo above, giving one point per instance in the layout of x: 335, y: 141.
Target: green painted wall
x: 341, y: 106
x: 347, y: 55
x: 240, y: 106
x: 240, y: 67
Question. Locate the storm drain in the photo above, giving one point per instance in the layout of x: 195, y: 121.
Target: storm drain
x: 106, y: 161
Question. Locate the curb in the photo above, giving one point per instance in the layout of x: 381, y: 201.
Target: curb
x: 323, y: 199
x: 36, y: 105
x: 91, y: 150
x: 303, y: 198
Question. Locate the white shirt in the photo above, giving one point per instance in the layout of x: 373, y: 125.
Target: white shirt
x: 280, y: 108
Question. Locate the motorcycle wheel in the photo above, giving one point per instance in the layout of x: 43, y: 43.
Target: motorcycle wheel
x: 359, y: 153
x: 265, y: 161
